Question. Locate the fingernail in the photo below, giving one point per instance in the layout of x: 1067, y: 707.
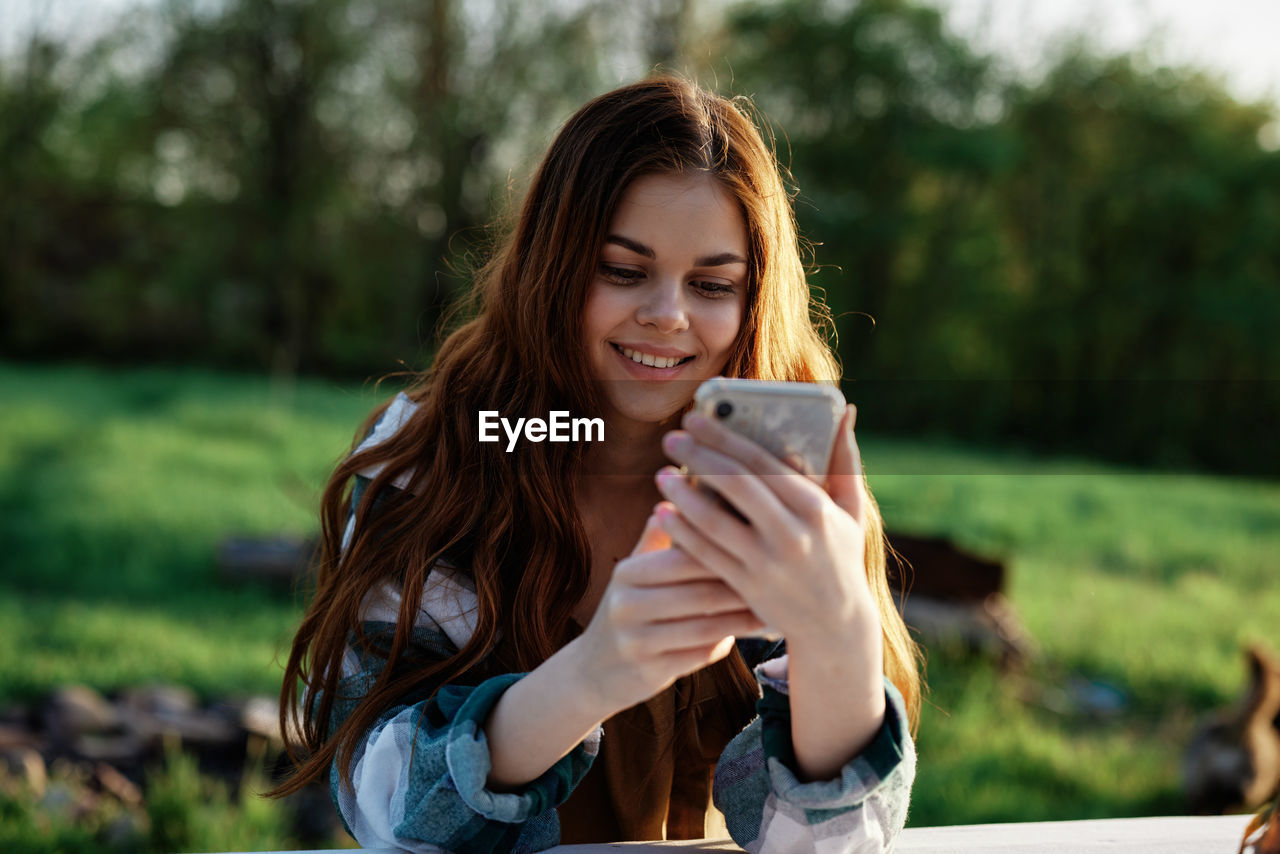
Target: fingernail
x: 853, y: 416
x: 676, y: 442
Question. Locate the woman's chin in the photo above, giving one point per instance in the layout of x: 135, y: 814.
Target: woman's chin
x: 658, y: 413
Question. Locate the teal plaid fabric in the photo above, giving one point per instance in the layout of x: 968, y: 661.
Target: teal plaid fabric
x: 767, y: 808
x: 418, y: 777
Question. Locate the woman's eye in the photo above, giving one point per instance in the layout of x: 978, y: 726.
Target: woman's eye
x: 714, y: 289
x: 629, y: 276
x: 620, y: 275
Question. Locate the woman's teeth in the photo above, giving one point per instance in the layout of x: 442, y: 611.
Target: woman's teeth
x: 650, y: 359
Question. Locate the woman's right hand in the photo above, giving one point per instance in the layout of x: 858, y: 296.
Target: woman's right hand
x: 663, y: 616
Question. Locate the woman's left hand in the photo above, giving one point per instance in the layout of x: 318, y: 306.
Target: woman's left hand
x: 799, y: 563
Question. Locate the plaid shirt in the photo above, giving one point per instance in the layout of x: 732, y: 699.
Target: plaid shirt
x: 418, y: 776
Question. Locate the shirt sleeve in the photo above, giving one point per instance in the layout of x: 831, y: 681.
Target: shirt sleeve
x: 768, y: 809
x: 418, y: 776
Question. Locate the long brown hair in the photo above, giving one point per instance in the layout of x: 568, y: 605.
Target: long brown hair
x: 510, y: 518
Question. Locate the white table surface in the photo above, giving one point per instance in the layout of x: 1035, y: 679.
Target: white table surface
x: 1167, y: 835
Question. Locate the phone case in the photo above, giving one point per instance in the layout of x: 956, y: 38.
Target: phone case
x: 792, y: 420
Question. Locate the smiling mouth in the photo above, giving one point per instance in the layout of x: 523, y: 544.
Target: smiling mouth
x: 649, y: 359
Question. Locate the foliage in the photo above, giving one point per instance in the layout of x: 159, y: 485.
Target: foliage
x: 182, y: 810
x: 278, y: 182
x: 189, y: 812
x: 1084, y: 260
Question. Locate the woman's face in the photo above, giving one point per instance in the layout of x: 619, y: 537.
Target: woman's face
x: 667, y: 296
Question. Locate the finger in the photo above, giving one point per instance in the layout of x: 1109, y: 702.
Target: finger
x: 845, y: 479
x: 731, y: 480
x: 664, y: 566
x: 684, y: 661
x: 754, y: 456
x: 801, y: 495
x: 689, y: 540
x: 697, y: 631
x: 796, y: 462
x: 723, y: 648
x: 706, y: 515
x: 676, y: 602
x: 652, y: 538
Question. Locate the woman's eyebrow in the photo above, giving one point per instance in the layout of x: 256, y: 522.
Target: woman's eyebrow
x: 639, y: 248
x: 720, y: 260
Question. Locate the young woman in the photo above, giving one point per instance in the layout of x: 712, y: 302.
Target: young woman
x: 518, y: 643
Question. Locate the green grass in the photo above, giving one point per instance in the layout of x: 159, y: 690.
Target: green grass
x: 1147, y: 582
x: 116, y: 487
x: 115, y: 490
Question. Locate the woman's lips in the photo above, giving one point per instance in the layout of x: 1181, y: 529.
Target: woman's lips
x: 648, y: 372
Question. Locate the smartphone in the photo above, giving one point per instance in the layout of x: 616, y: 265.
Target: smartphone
x: 796, y: 422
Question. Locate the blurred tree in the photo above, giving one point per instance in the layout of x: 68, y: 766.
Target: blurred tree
x: 238, y: 97
x: 888, y: 123
x: 1144, y: 212
x: 480, y: 88
x: 492, y: 77
x: 272, y: 184
x: 284, y: 184
x: 30, y: 103
x: 1042, y: 261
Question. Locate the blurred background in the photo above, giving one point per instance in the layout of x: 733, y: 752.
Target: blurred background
x: 1048, y: 232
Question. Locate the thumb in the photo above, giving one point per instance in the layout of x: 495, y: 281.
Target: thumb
x: 652, y: 538
x: 844, y: 475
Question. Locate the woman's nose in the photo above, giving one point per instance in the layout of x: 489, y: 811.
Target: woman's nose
x: 664, y: 307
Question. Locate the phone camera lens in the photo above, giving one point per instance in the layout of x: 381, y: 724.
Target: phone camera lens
x: 724, y: 409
